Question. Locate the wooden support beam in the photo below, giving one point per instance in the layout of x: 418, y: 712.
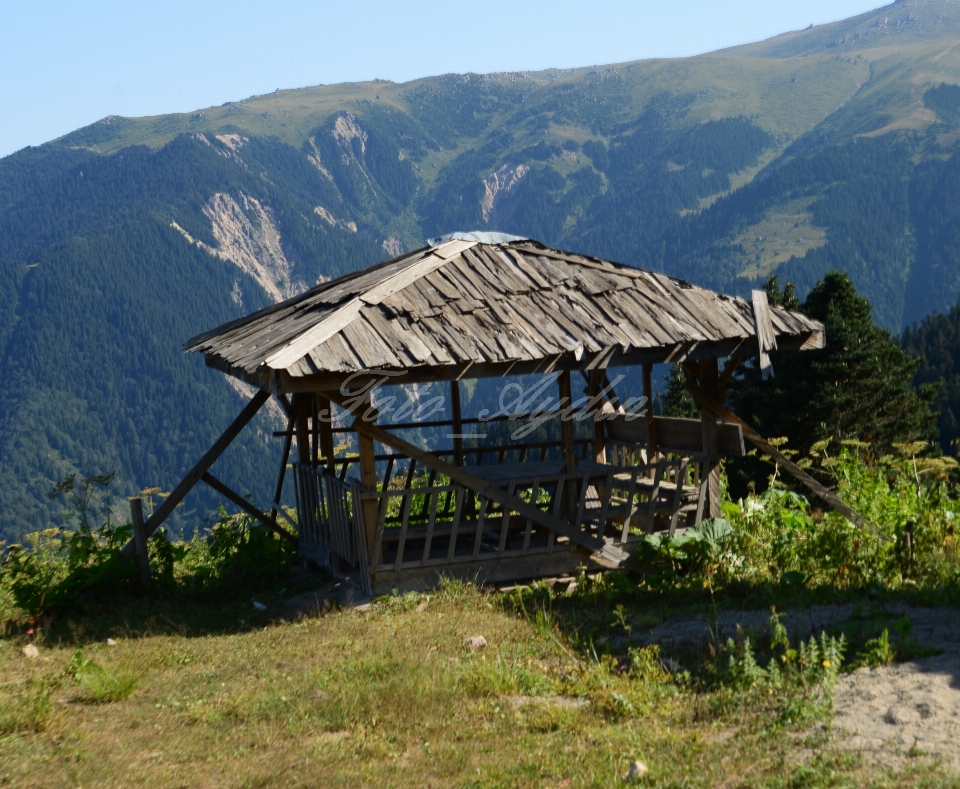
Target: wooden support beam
x: 368, y: 478
x: 457, y: 422
x: 192, y: 478
x: 730, y: 368
x: 766, y: 337
x: 651, y: 425
x: 726, y: 374
x: 567, y: 439
x: 325, y: 416
x: 301, y: 406
x: 314, y: 431
x: 566, y: 425
x: 594, y: 387
x: 285, y: 405
x: 140, y: 539
x: 828, y: 496
x: 611, y: 356
x: 710, y: 381
x: 284, y: 457
x: 247, y: 507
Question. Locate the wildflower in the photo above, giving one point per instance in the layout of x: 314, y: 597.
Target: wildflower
x: 826, y: 664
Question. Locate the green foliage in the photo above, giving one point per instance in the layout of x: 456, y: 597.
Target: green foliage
x: 945, y: 101
x: 99, y: 293
x: 100, y: 685
x: 778, y: 538
x: 800, y: 677
x: 28, y: 708
x: 698, y: 546
x: 859, y: 387
x: 676, y: 401
x: 935, y: 342
x: 59, y: 571
x: 879, y: 652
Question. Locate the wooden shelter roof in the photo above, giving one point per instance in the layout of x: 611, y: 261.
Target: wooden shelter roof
x: 490, y: 308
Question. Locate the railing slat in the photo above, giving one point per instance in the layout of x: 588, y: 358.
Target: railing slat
x: 455, y: 524
x: 430, y: 523
x: 404, y: 525
x: 528, y: 531
x: 505, y: 524
x: 481, y: 517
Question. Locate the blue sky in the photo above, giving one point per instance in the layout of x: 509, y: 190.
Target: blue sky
x: 67, y: 63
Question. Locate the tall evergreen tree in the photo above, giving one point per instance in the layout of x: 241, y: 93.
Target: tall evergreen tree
x: 859, y: 387
x: 936, y: 342
x: 676, y: 401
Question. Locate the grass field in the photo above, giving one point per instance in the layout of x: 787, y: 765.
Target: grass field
x: 389, y: 695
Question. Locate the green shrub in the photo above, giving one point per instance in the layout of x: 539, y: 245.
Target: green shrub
x: 909, y: 498
x: 798, y: 678
x: 100, y: 685
x: 55, y: 571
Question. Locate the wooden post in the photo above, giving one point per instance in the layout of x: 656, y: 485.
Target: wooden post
x: 140, y: 538
x: 566, y: 425
x: 368, y: 478
x: 651, y: 425
x: 314, y: 431
x: 828, y: 496
x: 599, y: 439
x: 325, y: 416
x: 710, y: 382
x: 284, y: 458
x: 457, y: 422
x: 567, y: 441
x: 302, y: 408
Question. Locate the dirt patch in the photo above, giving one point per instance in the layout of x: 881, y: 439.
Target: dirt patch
x: 890, y: 714
x: 911, y: 709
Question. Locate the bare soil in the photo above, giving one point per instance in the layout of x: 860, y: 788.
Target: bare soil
x: 891, y: 714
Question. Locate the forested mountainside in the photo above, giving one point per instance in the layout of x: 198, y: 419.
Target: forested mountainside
x: 832, y: 147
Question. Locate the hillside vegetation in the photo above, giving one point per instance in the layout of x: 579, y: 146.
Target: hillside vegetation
x: 237, y: 668
x: 832, y: 147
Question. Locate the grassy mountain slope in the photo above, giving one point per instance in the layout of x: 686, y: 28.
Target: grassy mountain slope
x: 832, y: 147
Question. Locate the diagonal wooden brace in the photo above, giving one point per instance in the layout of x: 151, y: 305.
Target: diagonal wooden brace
x: 492, y: 492
x: 247, y: 507
x: 189, y: 481
x: 705, y: 401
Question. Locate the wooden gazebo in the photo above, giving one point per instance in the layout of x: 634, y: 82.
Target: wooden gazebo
x: 396, y: 509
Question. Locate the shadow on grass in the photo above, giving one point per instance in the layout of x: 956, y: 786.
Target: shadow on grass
x: 690, y: 619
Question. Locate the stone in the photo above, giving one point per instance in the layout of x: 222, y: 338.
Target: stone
x: 31, y: 651
x: 635, y: 773
x: 475, y: 642
x: 111, y: 642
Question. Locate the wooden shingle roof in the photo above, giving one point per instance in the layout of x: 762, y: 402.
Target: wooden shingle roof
x: 488, y: 307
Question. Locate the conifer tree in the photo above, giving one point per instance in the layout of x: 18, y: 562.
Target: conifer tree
x: 676, y: 401
x: 858, y: 387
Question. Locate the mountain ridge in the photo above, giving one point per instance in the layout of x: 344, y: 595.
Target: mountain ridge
x: 830, y: 147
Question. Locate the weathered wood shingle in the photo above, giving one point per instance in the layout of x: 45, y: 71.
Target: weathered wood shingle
x: 465, y: 302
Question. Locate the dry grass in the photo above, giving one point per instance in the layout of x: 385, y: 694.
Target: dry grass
x: 391, y: 697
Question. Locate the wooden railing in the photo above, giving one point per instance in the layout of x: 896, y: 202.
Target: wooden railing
x: 426, y: 520
x: 330, y: 518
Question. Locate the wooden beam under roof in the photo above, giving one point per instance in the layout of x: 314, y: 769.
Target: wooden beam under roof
x: 280, y: 381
